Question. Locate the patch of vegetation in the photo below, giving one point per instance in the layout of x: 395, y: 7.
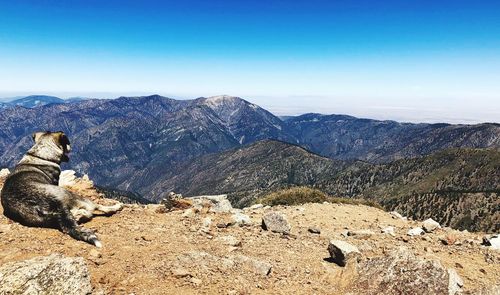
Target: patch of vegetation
x: 301, y: 195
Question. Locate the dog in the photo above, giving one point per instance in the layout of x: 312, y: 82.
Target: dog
x: 32, y: 197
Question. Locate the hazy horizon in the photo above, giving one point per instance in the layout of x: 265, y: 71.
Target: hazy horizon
x: 408, y: 61
x: 298, y: 106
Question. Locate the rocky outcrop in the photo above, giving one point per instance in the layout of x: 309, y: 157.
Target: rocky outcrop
x: 401, y: 272
x: 54, y: 274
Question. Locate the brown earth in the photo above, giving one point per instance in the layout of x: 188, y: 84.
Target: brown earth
x: 149, y: 252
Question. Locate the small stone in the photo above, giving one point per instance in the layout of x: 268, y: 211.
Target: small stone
x: 314, y: 230
x: 256, y: 206
x: 417, y: 231
x: 430, y: 225
x: 361, y: 234
x: 180, y: 272
x: 188, y: 213
x: 95, y: 254
x: 396, y: 215
x: 493, y: 241
x: 276, y: 222
x: 449, y: 239
x: 196, y: 282
x: 342, y: 252
x: 230, y: 241
x: 389, y: 230
x: 4, y: 228
x: 221, y: 225
x: 241, y: 219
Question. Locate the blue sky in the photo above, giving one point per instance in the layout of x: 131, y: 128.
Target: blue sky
x: 405, y: 60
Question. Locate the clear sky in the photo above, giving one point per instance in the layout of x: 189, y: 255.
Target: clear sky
x: 409, y: 60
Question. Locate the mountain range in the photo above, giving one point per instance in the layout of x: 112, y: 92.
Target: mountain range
x: 153, y: 145
x: 34, y: 101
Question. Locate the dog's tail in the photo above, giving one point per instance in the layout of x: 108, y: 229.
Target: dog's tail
x: 68, y: 225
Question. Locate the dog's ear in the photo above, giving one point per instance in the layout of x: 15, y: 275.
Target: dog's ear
x: 36, y: 136
x: 62, y: 140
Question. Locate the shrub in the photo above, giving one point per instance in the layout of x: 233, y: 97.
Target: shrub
x: 294, y: 196
x: 301, y: 195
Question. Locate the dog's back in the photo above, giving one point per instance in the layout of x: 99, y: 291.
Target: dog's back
x: 24, y: 200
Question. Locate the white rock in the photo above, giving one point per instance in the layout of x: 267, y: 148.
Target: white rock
x: 188, y: 213
x: 389, y: 230
x: 241, y: 219
x: 417, y: 231
x: 276, y: 222
x: 256, y: 206
x: 495, y: 242
x: 67, y: 178
x: 455, y: 282
x: 206, y: 223
x: 341, y: 252
x: 397, y: 215
x: 429, y: 225
x: 4, y: 172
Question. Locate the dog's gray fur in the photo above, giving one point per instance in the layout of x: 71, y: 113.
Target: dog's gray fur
x: 32, y: 197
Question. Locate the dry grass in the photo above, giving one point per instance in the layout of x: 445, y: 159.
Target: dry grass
x: 302, y: 195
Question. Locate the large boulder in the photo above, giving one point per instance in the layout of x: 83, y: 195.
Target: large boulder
x: 401, y: 272
x: 54, y: 274
x: 276, y: 222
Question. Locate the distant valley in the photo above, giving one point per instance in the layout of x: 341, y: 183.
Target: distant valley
x: 223, y: 144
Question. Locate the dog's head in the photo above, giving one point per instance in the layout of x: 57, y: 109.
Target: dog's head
x: 51, y: 146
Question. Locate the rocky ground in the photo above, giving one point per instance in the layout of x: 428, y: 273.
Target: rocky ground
x: 207, y: 249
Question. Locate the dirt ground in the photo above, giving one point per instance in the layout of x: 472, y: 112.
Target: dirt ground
x: 148, y: 252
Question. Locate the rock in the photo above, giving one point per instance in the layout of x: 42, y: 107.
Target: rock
x: 276, y: 222
x: 4, y: 172
x: 201, y: 263
x: 314, y: 230
x: 389, y: 230
x: 260, y: 267
x: 240, y: 219
x: 342, y: 252
x: 196, y: 281
x: 180, y: 272
x: 54, y: 274
x: 430, y: 225
x: 449, y: 239
x: 67, y: 178
x: 218, y: 203
x: 417, y: 231
x: 360, y: 234
x: 4, y: 228
x: 493, y: 241
x: 396, y: 215
x: 230, y: 241
x: 256, y: 206
x: 172, y: 200
x: 206, y: 224
x: 402, y: 272
x: 455, y: 282
x: 189, y: 213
